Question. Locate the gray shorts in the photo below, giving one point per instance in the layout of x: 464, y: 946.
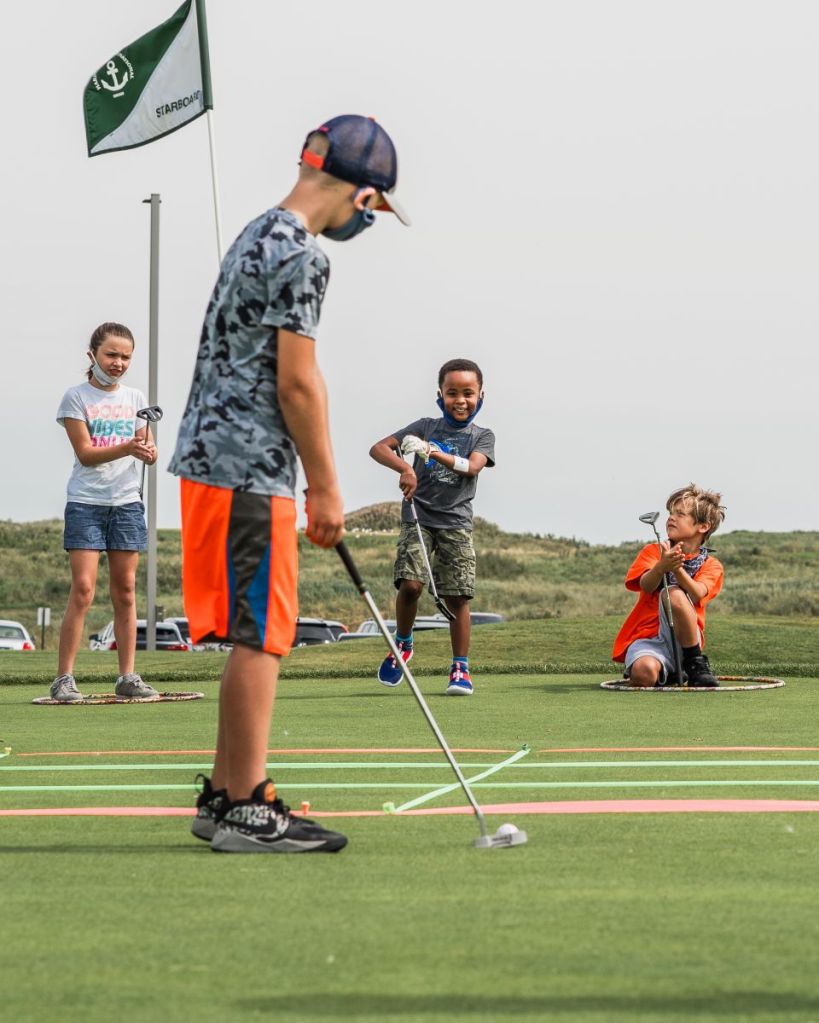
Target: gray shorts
x: 105, y: 527
x: 659, y: 647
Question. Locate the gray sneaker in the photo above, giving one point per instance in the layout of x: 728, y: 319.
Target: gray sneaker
x: 131, y: 686
x: 64, y: 689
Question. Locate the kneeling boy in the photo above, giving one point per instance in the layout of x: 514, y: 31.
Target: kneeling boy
x: 694, y: 578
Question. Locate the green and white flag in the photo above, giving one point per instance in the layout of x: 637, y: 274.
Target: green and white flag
x: 152, y: 87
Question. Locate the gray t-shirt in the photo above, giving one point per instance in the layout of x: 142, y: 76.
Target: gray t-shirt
x: 233, y: 433
x: 443, y: 499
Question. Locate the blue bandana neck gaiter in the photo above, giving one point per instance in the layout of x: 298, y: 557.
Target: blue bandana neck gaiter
x: 457, y: 424
x: 691, y: 565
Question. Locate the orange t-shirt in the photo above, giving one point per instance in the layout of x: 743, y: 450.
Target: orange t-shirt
x: 644, y: 620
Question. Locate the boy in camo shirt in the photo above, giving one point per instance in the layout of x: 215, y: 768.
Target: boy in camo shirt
x: 256, y: 402
x: 449, y: 453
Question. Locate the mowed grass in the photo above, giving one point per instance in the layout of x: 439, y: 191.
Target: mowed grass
x: 737, y: 645
x: 608, y: 917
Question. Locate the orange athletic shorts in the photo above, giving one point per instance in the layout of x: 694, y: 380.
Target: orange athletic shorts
x: 239, y: 567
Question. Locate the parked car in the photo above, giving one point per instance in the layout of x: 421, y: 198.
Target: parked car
x: 183, y: 626
x: 482, y: 617
x: 313, y: 631
x: 168, y: 637
x: 369, y: 628
x: 14, y: 636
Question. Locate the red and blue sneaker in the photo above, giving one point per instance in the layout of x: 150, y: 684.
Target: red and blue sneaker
x: 460, y: 684
x: 390, y: 674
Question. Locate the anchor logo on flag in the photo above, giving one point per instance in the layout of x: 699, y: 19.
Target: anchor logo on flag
x: 117, y: 84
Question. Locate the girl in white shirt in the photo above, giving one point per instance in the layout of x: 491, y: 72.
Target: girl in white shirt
x: 104, y: 510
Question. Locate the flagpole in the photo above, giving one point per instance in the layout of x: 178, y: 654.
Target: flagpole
x: 153, y: 388
x: 215, y: 184
x: 207, y: 97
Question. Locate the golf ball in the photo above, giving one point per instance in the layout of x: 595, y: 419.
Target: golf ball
x: 506, y: 829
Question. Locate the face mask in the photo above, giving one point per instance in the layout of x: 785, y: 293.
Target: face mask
x: 457, y: 423
x: 358, y: 222
x: 101, y: 376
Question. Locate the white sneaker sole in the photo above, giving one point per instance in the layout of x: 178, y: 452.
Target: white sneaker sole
x: 234, y: 841
x: 390, y: 685
x: 203, y: 829
x: 458, y: 691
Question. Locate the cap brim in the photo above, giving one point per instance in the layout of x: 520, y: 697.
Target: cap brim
x: 389, y: 204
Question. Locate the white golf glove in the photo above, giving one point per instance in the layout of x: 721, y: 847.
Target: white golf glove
x: 411, y: 445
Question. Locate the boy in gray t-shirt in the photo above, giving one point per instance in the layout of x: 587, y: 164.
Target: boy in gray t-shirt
x: 449, y: 452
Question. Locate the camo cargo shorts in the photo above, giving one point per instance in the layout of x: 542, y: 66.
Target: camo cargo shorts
x: 451, y: 554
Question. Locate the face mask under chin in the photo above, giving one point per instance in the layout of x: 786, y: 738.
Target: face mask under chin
x: 102, y: 377
x: 358, y: 222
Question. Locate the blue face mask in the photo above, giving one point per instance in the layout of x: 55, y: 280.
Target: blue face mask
x: 358, y: 222
x: 457, y: 423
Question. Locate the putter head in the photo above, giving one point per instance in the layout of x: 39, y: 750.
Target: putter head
x: 501, y: 841
x: 649, y: 518
x: 151, y: 414
x: 450, y: 617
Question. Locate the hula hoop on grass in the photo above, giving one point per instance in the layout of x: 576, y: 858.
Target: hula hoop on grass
x: 748, y: 683
x: 99, y: 698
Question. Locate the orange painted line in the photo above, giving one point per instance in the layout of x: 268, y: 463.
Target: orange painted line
x: 591, y: 806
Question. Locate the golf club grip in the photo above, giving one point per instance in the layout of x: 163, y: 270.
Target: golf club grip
x: 349, y: 564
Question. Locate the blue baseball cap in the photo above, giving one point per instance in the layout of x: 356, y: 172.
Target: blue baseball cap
x: 361, y: 153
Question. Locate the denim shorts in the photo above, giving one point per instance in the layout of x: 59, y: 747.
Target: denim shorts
x: 105, y: 527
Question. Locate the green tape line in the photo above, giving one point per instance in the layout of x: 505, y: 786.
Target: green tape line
x: 456, y: 785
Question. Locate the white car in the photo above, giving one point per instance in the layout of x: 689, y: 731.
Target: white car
x: 369, y: 629
x: 168, y: 637
x: 14, y: 636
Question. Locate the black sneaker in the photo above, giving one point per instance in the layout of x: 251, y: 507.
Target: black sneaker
x: 211, y: 804
x: 699, y: 673
x: 264, y: 824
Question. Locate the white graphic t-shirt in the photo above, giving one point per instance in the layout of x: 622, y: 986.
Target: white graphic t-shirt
x: 111, y: 420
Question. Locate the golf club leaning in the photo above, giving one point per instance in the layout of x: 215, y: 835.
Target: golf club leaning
x: 485, y: 840
x: 151, y: 414
x: 440, y: 603
x: 650, y: 519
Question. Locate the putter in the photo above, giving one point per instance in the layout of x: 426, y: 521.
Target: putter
x: 439, y: 601
x: 484, y: 840
x: 151, y: 414
x: 650, y: 519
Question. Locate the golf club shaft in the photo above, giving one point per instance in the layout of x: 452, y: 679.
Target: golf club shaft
x: 669, y: 612
x: 350, y: 565
x: 439, y: 603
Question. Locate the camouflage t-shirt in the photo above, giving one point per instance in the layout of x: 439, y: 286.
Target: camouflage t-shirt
x: 444, y: 498
x: 232, y: 432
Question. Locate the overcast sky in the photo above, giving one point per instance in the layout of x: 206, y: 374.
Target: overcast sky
x: 615, y: 213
